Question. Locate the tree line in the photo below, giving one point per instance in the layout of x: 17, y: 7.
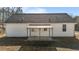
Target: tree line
x: 6, y: 12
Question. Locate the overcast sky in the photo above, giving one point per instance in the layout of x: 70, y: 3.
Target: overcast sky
x: 74, y: 11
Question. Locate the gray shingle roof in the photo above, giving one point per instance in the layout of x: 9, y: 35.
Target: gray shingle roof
x: 76, y: 19
x: 40, y: 18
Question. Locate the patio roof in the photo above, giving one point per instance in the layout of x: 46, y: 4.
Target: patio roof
x: 39, y: 26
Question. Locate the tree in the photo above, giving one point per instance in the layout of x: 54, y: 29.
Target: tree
x: 18, y: 10
x: 7, y: 12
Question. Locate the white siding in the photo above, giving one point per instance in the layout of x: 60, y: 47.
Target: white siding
x: 38, y: 32
x: 58, y: 32
x: 44, y: 33
x: 16, y: 30
x: 20, y: 30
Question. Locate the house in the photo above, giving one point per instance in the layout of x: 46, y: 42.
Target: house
x: 42, y: 24
x: 77, y: 21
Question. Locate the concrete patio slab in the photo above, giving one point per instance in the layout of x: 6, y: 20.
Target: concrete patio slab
x: 41, y: 38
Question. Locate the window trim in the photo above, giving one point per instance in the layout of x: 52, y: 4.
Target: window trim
x: 45, y: 29
x: 64, y: 28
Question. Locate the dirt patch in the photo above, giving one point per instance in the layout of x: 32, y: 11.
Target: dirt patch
x: 2, y: 33
x: 9, y: 48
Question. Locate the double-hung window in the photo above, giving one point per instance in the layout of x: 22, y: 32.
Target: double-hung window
x: 64, y: 27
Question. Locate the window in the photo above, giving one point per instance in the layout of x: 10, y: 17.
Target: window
x: 64, y: 27
x: 32, y: 30
x: 45, y: 29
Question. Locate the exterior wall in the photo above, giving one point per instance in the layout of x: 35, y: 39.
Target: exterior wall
x: 44, y: 33
x: 58, y: 32
x: 16, y: 30
x: 20, y: 30
x: 40, y: 32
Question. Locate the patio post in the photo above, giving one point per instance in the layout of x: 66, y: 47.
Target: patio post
x: 52, y: 32
x: 30, y: 32
x: 49, y: 32
x: 39, y: 33
x: 27, y: 32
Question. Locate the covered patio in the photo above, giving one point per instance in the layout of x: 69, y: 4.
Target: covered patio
x: 39, y: 32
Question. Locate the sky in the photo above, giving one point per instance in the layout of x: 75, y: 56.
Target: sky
x: 74, y: 11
